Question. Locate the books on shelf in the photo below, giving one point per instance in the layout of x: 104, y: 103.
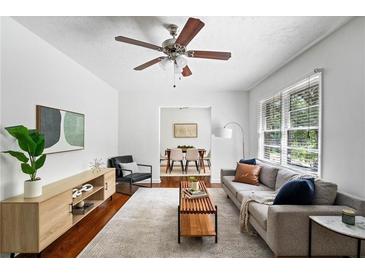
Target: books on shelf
x: 194, y: 194
x: 82, y: 210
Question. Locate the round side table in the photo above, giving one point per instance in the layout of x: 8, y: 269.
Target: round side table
x: 335, y: 224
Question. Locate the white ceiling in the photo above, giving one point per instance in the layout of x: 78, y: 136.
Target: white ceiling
x: 259, y: 46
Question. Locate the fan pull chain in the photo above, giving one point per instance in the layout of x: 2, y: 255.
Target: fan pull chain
x: 174, y: 75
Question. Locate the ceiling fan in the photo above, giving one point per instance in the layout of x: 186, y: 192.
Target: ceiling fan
x: 175, y: 48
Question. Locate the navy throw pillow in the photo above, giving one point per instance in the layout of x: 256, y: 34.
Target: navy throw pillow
x: 248, y: 161
x: 296, y: 192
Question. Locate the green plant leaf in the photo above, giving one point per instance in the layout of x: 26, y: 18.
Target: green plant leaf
x: 40, y: 161
x: 27, y: 144
x: 16, y: 131
x: 22, y: 134
x: 27, y: 169
x: 19, y: 155
x: 39, y: 147
x: 38, y: 138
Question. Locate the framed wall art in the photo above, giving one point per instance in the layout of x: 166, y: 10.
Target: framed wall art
x: 63, y: 130
x: 186, y: 130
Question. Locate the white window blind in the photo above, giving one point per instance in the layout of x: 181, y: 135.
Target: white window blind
x: 271, y: 122
x: 290, y: 126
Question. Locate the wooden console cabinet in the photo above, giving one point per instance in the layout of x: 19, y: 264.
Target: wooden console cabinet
x: 30, y: 225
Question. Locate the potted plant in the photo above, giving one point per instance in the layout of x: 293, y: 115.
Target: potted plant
x: 31, y: 142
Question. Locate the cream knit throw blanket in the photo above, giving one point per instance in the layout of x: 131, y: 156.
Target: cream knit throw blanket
x: 262, y: 197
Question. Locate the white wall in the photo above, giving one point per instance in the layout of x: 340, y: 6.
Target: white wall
x: 33, y: 72
x: 200, y: 116
x: 1, y: 89
x: 342, y: 56
x: 139, y: 121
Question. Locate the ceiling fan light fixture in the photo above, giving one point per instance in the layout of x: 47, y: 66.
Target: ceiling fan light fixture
x: 175, y: 49
x: 181, y: 62
x: 165, y: 63
x: 177, y: 69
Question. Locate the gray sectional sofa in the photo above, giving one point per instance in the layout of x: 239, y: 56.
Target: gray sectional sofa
x: 285, y: 228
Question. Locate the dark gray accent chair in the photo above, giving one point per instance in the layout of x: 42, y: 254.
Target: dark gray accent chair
x: 132, y: 178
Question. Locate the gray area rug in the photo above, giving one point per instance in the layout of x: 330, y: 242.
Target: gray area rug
x: 146, y: 226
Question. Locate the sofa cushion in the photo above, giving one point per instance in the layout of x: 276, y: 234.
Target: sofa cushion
x: 248, y: 161
x: 284, y: 176
x: 325, y: 193
x: 296, y: 192
x: 248, y: 174
x: 238, y: 187
x: 268, y: 174
x: 260, y: 213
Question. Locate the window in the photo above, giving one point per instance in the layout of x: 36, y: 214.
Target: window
x: 271, y: 110
x: 290, y: 126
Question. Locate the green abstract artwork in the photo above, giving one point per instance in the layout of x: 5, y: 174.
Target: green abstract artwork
x: 63, y: 130
x: 74, y: 128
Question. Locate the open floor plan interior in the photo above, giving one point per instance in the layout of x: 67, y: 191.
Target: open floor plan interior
x: 182, y: 137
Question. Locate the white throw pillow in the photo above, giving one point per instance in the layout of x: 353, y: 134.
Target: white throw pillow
x: 131, y: 166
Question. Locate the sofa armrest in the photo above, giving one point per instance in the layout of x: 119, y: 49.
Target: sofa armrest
x: 351, y: 201
x: 227, y: 172
x: 288, y: 227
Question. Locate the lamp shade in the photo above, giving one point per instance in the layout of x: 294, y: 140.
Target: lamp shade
x: 224, y: 133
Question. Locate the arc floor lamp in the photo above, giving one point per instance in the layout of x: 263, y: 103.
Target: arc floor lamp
x: 226, y: 133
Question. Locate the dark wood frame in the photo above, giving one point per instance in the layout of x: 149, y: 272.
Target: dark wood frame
x: 38, y: 123
x: 186, y: 124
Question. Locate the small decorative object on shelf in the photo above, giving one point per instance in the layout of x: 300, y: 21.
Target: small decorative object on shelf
x: 80, y: 205
x: 76, y: 193
x: 348, y: 216
x: 87, y: 187
x: 82, y: 210
x: 97, y: 165
x: 194, y: 183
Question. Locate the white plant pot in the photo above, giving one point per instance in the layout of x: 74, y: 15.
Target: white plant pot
x: 32, y: 189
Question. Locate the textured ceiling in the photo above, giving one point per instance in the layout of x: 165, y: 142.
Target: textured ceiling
x: 259, y: 46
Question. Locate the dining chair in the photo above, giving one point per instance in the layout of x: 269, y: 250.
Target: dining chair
x: 176, y: 155
x: 163, y: 158
x: 192, y: 155
x: 207, y: 158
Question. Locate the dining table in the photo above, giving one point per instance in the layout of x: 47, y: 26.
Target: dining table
x: 201, y: 157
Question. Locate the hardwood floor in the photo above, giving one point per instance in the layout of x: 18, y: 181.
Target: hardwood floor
x: 70, y: 244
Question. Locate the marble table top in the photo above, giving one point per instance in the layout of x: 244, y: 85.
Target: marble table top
x: 335, y: 224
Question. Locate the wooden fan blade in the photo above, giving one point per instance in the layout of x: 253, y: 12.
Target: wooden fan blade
x: 149, y: 63
x: 186, y: 71
x: 220, y: 55
x: 191, y: 28
x: 137, y: 43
